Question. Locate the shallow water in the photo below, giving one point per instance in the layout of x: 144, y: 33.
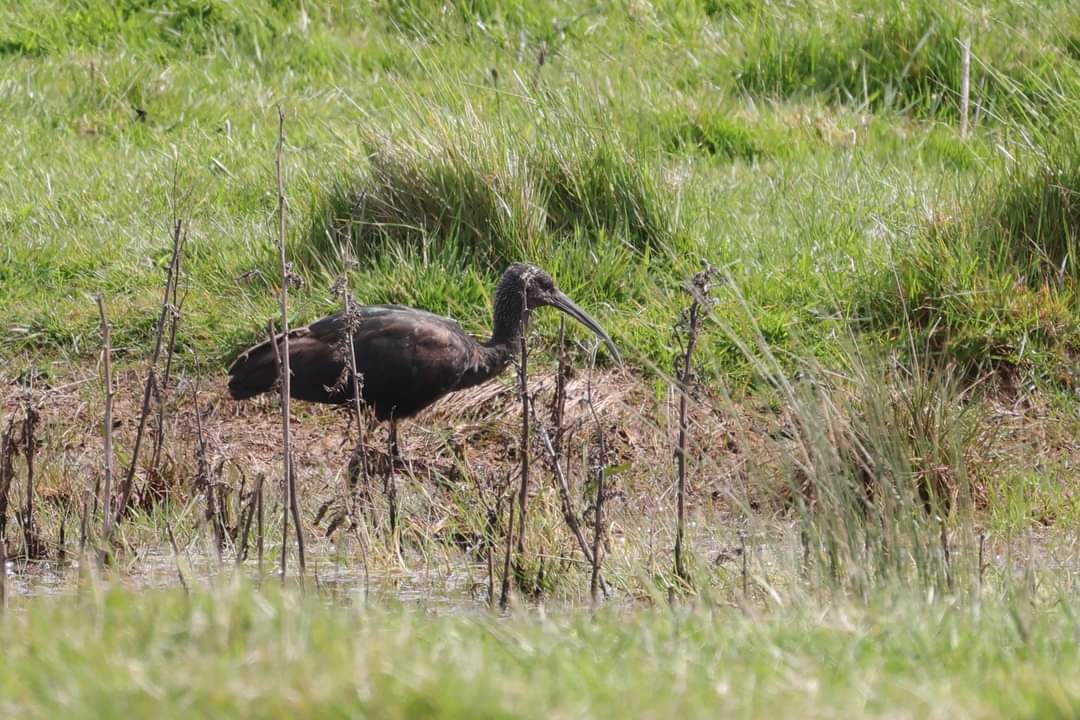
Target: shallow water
x: 343, y: 580
x: 455, y: 582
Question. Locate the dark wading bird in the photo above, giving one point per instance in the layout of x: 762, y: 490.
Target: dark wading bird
x: 406, y: 358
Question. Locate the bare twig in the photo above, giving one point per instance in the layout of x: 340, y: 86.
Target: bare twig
x: 390, y: 487
x: 3, y: 573
x: 504, y: 597
x: 564, y: 493
x: 598, y: 530
x: 175, y: 306
x: 151, y: 376
x: 491, y: 514
x: 8, y: 449
x: 176, y: 556
x: 352, y: 323
x: 523, y: 393
x: 699, y: 290
x: 259, y: 526
x: 205, y: 475
x: 107, y: 429
x: 290, y: 504
x: 982, y: 547
x: 558, y: 400
x: 84, y: 520
x: 32, y: 545
x: 249, y: 516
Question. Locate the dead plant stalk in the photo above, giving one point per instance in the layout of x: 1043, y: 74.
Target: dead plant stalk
x: 523, y: 391
x: 151, y: 376
x: 107, y: 428
x: 290, y: 503
x: 699, y: 290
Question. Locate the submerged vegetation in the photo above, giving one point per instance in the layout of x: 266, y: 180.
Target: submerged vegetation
x: 875, y: 377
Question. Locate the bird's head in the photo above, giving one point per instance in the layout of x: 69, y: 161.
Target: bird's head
x: 536, y: 287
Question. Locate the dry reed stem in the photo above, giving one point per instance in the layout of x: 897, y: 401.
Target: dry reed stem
x: 290, y: 504
x: 151, y: 377
x: 699, y: 290
x: 205, y: 475
x: 504, y: 597
x: 176, y: 556
x: 259, y: 542
x: 8, y: 450
x: 107, y: 429
x: 248, y: 517
x: 598, y: 530
x: 175, y: 307
x: 352, y: 320
x: 523, y: 392
x: 32, y: 546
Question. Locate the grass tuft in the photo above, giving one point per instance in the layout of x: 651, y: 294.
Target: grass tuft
x: 485, y: 191
x: 906, y: 56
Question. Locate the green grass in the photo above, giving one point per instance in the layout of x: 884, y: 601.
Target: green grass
x: 433, y: 138
x: 238, y: 653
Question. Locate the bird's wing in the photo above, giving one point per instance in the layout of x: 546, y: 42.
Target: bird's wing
x: 408, y: 358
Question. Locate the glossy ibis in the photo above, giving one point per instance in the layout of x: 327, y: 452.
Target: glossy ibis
x: 406, y: 358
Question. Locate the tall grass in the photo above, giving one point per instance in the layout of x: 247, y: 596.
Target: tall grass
x: 493, y: 191
x: 994, y: 287
x: 906, y: 56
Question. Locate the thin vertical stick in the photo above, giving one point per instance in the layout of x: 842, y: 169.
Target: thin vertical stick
x: 3, y: 573
x: 176, y: 556
x: 564, y: 494
x: 32, y: 544
x: 294, y: 505
x: 558, y: 401
x: 743, y: 556
x: 249, y: 515
x: 290, y: 504
x: 965, y: 86
x: 680, y: 455
x: 174, y: 321
x: 504, y: 598
x: 7, y: 472
x: 523, y: 391
x: 259, y: 527
x: 151, y: 376
x: 982, y: 565
x: 390, y: 487
x: 352, y: 323
x: 82, y: 524
x: 598, y: 530
x: 107, y: 429
x: 699, y: 290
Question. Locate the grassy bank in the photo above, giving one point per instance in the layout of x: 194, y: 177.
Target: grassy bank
x: 238, y: 652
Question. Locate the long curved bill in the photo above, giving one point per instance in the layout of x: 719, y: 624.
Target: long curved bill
x: 568, y: 306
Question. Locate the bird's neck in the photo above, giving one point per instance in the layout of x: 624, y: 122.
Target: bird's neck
x: 492, y: 357
x: 511, y: 317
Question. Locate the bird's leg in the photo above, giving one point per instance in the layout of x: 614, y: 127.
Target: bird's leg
x: 391, y: 487
x: 359, y: 492
x: 395, y: 451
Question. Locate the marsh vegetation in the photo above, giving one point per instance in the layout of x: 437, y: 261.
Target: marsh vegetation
x: 834, y: 475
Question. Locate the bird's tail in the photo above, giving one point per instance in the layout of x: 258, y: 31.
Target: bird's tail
x: 254, y: 371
